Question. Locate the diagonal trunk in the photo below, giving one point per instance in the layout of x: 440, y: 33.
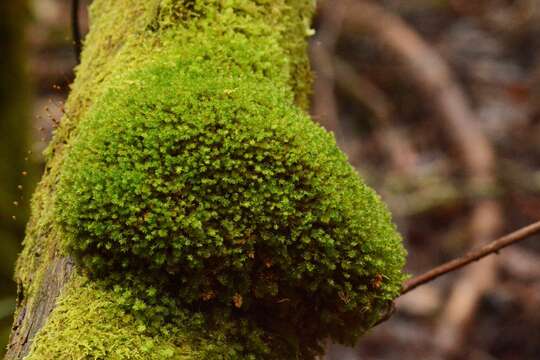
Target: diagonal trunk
x: 190, y: 209
x: 122, y: 33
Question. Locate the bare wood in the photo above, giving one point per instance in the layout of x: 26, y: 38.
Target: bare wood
x: 492, y: 248
x: 34, y: 312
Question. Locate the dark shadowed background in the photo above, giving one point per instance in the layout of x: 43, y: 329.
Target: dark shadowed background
x: 436, y: 103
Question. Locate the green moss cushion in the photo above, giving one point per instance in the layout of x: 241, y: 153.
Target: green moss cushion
x: 196, y: 180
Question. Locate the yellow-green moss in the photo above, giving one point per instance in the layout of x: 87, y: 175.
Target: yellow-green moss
x: 199, y: 197
x: 89, y: 324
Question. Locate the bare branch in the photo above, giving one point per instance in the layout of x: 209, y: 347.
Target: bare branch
x: 491, y: 248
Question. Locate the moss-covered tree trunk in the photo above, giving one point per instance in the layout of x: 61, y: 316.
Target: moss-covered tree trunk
x: 190, y: 209
x: 123, y: 35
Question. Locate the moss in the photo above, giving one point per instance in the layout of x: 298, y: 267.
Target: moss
x: 190, y: 185
x: 98, y: 330
x: 104, y: 329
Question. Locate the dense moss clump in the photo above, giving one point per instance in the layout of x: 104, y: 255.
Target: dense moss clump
x: 195, y: 181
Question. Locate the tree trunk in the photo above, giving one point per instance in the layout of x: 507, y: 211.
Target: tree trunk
x: 190, y: 208
x: 59, y: 315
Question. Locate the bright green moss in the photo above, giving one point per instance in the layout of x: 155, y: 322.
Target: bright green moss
x: 194, y: 186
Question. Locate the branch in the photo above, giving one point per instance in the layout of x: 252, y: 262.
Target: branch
x: 474, y: 255
x: 76, y: 33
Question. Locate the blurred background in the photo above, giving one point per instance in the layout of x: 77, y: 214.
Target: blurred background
x: 436, y: 103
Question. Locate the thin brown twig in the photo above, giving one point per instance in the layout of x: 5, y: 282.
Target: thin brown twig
x: 491, y: 248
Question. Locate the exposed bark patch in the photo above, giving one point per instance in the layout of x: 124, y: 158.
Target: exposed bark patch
x: 35, y: 312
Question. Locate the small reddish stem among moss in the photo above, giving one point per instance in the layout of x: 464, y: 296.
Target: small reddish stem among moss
x: 492, y: 248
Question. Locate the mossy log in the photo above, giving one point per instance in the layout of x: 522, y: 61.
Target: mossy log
x: 190, y: 208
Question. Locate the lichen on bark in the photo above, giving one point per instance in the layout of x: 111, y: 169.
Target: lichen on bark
x: 208, y: 216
